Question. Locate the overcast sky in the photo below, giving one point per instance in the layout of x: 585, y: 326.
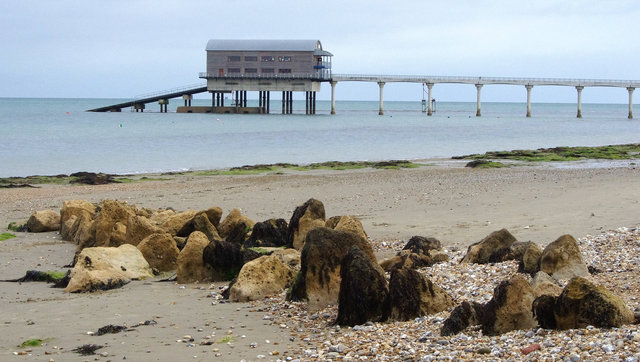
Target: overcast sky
x: 122, y: 48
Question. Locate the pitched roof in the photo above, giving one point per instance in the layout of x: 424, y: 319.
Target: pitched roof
x: 266, y: 45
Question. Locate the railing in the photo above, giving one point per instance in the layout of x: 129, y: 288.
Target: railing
x: 485, y: 80
x: 324, y: 75
x: 170, y: 91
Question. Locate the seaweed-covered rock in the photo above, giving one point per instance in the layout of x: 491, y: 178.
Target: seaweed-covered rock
x: 306, y: 217
x: 138, y: 228
x: 530, y: 261
x: 191, y: 267
x: 462, y: 316
x: 43, y: 221
x: 406, y: 259
x: 583, y: 303
x: 214, y: 214
x: 422, y: 245
x: 235, y: 226
x: 364, y: 295
x: 225, y: 259
x: 321, y: 257
x: 491, y: 249
x: 160, y: 251
x: 562, y: 259
x: 259, y: 278
x: 510, y: 307
x: 412, y: 295
x: 543, y: 311
x: 269, y: 233
x: 103, y: 268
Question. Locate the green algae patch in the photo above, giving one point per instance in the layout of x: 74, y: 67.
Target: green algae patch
x: 14, y: 226
x: 6, y: 236
x: 226, y: 339
x: 485, y: 164
x: 555, y: 154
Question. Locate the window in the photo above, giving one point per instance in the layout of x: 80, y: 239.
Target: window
x: 251, y: 58
x: 267, y: 70
x: 268, y: 58
x: 233, y: 70
x: 284, y: 59
x: 233, y: 58
x: 284, y: 71
x: 250, y: 70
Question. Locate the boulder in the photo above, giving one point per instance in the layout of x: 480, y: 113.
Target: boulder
x: 191, y: 268
x: 319, y: 277
x: 106, y: 268
x: 74, y: 208
x: 412, y: 296
x: 306, y: 217
x: 530, y: 261
x: 43, y: 221
x: 202, y: 223
x: 225, y: 259
x: 464, y: 315
x: 543, y: 284
x: 160, y: 251
x: 261, y: 277
x: 235, y: 224
x: 214, y: 214
x: 159, y: 217
x: 111, y: 213
x: 83, y: 232
x: 562, y: 259
x: 510, y: 308
x: 350, y: 224
x: 138, y: 228
x: 177, y: 222
x: 406, y: 259
x: 364, y: 295
x: 290, y: 257
x: 422, y: 245
x: 332, y: 222
x: 269, y: 233
x: 583, y: 303
x: 491, y: 249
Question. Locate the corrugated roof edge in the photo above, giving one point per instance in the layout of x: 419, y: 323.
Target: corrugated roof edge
x: 265, y: 45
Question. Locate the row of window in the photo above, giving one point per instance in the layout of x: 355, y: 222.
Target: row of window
x: 262, y: 70
x: 253, y: 58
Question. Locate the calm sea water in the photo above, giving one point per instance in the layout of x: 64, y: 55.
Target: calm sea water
x: 53, y: 136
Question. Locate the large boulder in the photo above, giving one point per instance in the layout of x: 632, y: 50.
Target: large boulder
x: 410, y: 260
x: 364, y: 295
x: 83, y: 232
x: 306, y: 217
x: 138, y: 228
x: 423, y: 245
x: 269, y: 233
x: 214, y: 214
x: 202, y: 223
x: 261, y: 277
x: 225, y: 259
x: 491, y: 249
x: 159, y: 217
x: 106, y: 268
x: 582, y: 304
x: 74, y: 209
x: 111, y: 221
x: 412, y: 295
x: 191, y: 268
x: 510, y: 307
x: 530, y: 261
x: 178, y: 222
x: 160, y: 251
x: 319, y: 278
x: 235, y: 226
x: 347, y: 223
x: 291, y: 257
x: 43, y: 221
x: 562, y: 259
x: 462, y: 316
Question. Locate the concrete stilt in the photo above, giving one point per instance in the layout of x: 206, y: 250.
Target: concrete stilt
x: 579, y: 89
x: 284, y: 93
x: 381, y: 111
x: 244, y: 97
x: 187, y: 99
x: 630, y: 89
x: 290, y: 102
x: 306, y: 102
x: 313, y: 103
x: 429, y: 100
x: 333, y: 97
x: 268, y: 100
x: 478, y: 104
x: 529, y: 87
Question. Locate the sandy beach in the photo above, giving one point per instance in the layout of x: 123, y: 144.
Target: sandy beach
x: 456, y: 205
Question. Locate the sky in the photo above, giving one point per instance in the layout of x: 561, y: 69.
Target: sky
x: 124, y: 48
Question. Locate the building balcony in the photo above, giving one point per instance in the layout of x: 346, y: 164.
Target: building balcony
x: 322, y: 75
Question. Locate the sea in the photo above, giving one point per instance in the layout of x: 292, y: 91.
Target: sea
x: 58, y: 136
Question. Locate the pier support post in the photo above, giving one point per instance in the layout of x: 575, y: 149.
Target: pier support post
x: 267, y: 100
x: 333, y: 97
x: 529, y: 87
x: 187, y: 99
x: 630, y: 89
x: 381, y: 111
x: 478, y: 104
x: 313, y: 103
x: 244, y: 98
x: 429, y: 100
x: 579, y: 89
x: 284, y: 95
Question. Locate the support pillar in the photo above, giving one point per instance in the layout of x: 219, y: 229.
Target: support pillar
x: 237, y: 100
x: 429, y: 100
x: 221, y: 99
x: 244, y: 97
x: 213, y: 101
x: 307, y: 102
x: 630, y: 89
x: 260, y: 101
x: 529, y: 87
x: 478, y: 104
x: 290, y: 103
x: 333, y: 97
x: 284, y: 99
x: 268, y: 99
x: 187, y: 99
x: 313, y: 103
x: 381, y: 111
x: 579, y: 89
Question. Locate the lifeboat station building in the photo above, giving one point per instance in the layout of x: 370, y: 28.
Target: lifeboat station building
x: 235, y: 67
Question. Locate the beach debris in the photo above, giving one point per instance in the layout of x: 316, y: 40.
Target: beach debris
x: 40, y: 276
x: 110, y: 329
x: 43, y: 221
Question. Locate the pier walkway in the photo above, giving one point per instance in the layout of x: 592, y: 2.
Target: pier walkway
x: 138, y: 103
x: 479, y: 82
